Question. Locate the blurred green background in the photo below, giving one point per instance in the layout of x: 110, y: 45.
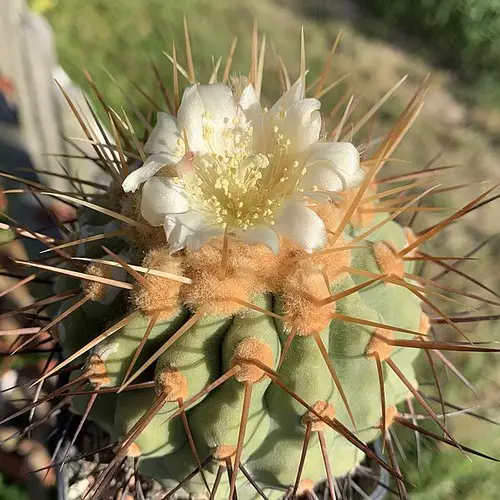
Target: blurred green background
x: 463, y: 35
x: 458, y: 41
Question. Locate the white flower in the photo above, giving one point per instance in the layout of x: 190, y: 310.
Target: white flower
x: 238, y: 167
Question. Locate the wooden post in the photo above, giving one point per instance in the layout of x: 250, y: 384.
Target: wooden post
x: 28, y: 59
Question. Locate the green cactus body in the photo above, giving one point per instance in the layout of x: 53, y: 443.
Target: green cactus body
x: 243, y: 341
x: 275, y: 428
x: 102, y: 411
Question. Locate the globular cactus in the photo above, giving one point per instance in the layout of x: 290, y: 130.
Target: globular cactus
x: 308, y: 320
x: 248, y: 304
x: 323, y: 322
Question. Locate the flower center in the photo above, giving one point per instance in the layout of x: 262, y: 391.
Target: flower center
x: 241, y: 188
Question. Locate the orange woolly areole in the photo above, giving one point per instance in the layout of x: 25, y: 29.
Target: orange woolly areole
x: 305, y: 485
x: 302, y: 292
x: 329, y: 213
x: 93, y: 289
x: 322, y: 408
x: 223, y: 279
x: 172, y: 384
x: 391, y: 413
x: 378, y: 344
x: 388, y: 259
x: 223, y: 451
x: 249, y: 350
x: 161, y: 295
x: 98, y: 374
x: 425, y: 324
x: 258, y: 261
x: 213, y: 288
x: 360, y: 216
x: 133, y: 451
x: 333, y: 257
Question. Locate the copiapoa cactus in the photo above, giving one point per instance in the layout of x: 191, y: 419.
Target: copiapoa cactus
x: 243, y: 299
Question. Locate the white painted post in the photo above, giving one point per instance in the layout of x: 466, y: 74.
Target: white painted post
x: 28, y: 59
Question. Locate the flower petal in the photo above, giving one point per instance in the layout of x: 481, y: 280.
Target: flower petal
x: 300, y: 224
x: 165, y: 137
x: 260, y: 234
x: 188, y: 230
x: 301, y: 124
x: 189, y: 119
x: 218, y: 100
x: 341, y: 158
x: 206, y: 106
x: 248, y: 100
x: 324, y: 178
x: 294, y: 94
x: 253, y: 113
x: 152, y: 164
x: 161, y: 196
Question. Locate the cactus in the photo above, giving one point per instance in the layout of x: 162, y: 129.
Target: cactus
x: 312, y: 321
x: 244, y: 301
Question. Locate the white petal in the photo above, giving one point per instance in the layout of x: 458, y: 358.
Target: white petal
x: 253, y: 113
x: 165, y: 137
x: 340, y: 157
x: 152, y: 164
x: 248, y: 100
x: 198, y: 101
x: 302, y: 225
x: 189, y: 119
x: 161, y: 196
x: 198, y: 239
x: 178, y: 232
x: 294, y: 94
x: 260, y: 234
x: 302, y: 124
x: 325, y: 178
x: 188, y: 230
x: 321, y: 196
x: 218, y: 100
